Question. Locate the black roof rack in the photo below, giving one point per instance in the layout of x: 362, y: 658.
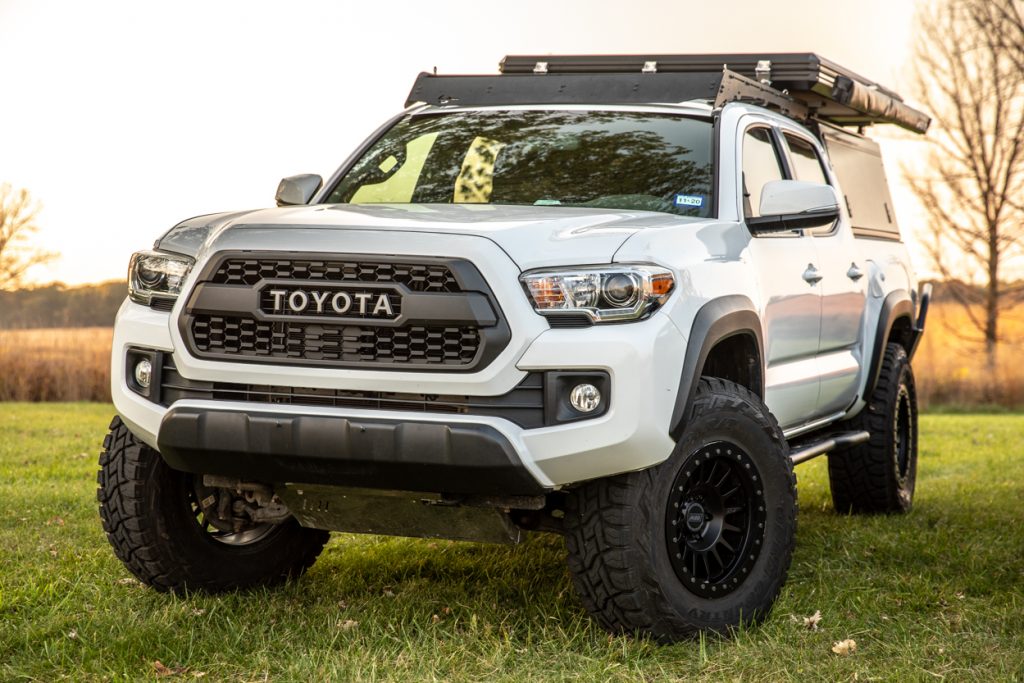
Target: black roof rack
x: 801, y: 85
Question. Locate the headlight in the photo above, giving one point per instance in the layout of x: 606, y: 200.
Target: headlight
x: 604, y: 294
x: 156, y: 275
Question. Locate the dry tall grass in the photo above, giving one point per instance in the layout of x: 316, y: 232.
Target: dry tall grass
x: 74, y: 364
x: 56, y: 364
x: 951, y: 370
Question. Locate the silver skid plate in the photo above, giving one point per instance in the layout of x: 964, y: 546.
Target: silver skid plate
x: 395, y: 513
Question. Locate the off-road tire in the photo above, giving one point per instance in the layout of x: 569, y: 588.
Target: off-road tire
x: 619, y: 531
x: 879, y: 475
x: 144, y: 509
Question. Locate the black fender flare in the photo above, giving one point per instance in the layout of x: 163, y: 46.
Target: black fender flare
x: 897, y: 304
x: 716, y: 321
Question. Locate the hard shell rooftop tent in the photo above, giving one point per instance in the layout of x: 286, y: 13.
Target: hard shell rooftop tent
x: 801, y: 85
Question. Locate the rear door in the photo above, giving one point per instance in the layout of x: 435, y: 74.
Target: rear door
x: 791, y: 312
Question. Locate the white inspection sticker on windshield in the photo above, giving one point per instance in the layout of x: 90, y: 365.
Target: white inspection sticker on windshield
x: 689, y: 200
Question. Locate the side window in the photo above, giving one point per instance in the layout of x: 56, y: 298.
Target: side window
x: 806, y: 164
x: 761, y: 165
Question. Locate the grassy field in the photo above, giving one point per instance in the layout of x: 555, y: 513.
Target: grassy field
x: 936, y: 594
x: 73, y: 364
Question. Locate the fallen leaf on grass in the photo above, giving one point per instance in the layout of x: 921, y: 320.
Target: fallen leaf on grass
x: 73, y: 634
x: 811, y: 622
x: 198, y: 612
x: 59, y: 521
x: 348, y: 624
x: 129, y: 581
x: 845, y: 647
x: 163, y: 670
x: 435, y: 619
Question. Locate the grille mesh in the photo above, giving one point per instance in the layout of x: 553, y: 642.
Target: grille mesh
x: 246, y: 336
x: 417, y: 277
x: 523, y: 405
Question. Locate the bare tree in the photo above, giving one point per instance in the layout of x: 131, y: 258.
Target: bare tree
x: 18, y: 214
x: 973, y: 186
x: 1004, y: 19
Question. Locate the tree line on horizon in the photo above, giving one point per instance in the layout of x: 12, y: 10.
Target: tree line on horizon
x: 56, y: 305
x: 95, y: 305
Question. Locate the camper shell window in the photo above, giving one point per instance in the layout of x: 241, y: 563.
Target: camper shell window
x: 857, y: 162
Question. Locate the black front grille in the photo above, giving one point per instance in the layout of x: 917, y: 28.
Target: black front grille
x: 245, y: 336
x: 524, y: 405
x: 439, y: 313
x: 419, y: 277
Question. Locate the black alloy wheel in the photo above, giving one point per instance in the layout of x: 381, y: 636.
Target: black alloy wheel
x: 903, y: 433
x: 715, y: 520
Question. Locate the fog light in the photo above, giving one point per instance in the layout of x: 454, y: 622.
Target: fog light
x: 585, y: 398
x: 143, y: 373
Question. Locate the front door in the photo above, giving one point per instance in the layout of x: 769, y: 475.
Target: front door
x: 787, y: 278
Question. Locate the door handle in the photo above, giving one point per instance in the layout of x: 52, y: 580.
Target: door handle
x: 812, y: 274
x: 854, y: 273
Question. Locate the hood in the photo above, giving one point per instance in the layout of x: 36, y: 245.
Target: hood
x: 533, y: 236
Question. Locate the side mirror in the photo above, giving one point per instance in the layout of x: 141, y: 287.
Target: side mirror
x: 795, y: 205
x: 298, y: 189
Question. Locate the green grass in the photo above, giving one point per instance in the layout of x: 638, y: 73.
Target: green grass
x: 937, y: 593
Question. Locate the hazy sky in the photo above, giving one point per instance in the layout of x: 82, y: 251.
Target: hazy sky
x: 125, y: 117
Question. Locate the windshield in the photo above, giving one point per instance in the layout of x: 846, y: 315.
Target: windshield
x: 604, y: 159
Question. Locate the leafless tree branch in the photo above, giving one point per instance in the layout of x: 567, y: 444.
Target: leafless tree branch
x: 970, y: 75
x: 18, y: 213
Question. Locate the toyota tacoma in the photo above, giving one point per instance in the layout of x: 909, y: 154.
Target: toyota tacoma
x: 613, y: 298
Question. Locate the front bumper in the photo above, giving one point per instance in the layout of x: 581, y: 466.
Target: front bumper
x: 331, y: 449
x: 643, y: 361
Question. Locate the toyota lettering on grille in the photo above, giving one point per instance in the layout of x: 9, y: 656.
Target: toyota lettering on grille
x: 332, y: 302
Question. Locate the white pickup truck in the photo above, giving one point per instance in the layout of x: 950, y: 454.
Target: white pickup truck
x: 615, y: 298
